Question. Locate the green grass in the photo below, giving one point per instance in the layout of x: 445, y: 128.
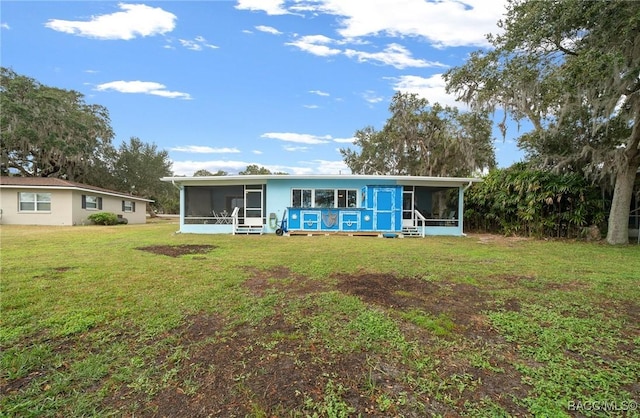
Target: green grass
x: 92, y: 326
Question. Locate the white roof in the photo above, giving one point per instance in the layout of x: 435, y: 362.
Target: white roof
x: 263, y: 178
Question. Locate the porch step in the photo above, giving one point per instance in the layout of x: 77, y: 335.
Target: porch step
x: 411, y: 231
x: 249, y: 229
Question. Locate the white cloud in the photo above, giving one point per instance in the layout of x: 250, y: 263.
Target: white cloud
x: 431, y: 88
x: 319, y: 92
x: 372, y: 97
x: 187, y: 168
x: 443, y: 23
x: 312, y: 106
x: 268, y: 29
x: 395, y: 55
x: 270, y: 7
x: 197, y: 149
x: 197, y: 44
x: 5, y: 25
x: 142, y: 87
x: 344, y: 140
x: 292, y: 148
x: 298, y: 138
x: 134, y: 20
x: 316, y: 45
x: 319, y: 167
x: 257, y: 152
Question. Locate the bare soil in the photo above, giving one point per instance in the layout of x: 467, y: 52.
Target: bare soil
x: 273, y: 368
x: 178, y: 250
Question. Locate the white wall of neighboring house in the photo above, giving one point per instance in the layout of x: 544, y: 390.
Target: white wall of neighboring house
x: 111, y: 204
x: 66, y: 207
x: 61, y: 208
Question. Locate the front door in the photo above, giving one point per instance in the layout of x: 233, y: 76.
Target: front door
x: 408, y: 214
x: 384, y: 208
x: 253, y: 206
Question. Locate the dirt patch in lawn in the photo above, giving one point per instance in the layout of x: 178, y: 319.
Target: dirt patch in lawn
x: 178, y: 250
x: 280, y: 365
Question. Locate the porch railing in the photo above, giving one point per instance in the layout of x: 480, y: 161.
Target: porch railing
x: 421, y: 221
x: 234, y: 219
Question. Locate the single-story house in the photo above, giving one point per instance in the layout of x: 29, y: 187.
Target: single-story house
x: 322, y: 204
x: 53, y: 201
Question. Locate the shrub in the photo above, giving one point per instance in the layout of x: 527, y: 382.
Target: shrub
x: 523, y: 201
x: 104, y: 218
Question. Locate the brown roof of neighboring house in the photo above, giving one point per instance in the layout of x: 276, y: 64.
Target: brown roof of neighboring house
x: 50, y: 182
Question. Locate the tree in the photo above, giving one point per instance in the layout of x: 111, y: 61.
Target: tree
x: 49, y: 132
x: 206, y: 173
x: 253, y: 169
x: 423, y: 140
x: 138, y: 168
x: 571, y: 69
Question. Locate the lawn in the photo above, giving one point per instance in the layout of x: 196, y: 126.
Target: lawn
x: 140, y: 321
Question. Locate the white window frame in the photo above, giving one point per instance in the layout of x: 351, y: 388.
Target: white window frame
x: 91, y: 202
x: 336, y: 197
x: 41, y: 202
x: 127, y: 205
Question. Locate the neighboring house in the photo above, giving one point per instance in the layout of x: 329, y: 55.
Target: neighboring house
x: 322, y: 204
x: 52, y: 201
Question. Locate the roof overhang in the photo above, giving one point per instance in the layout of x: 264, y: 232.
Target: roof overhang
x: 263, y: 179
x: 81, y: 189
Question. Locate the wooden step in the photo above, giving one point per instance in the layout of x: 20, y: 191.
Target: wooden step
x: 249, y: 229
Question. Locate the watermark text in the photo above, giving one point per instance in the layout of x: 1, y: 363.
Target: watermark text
x: 605, y: 405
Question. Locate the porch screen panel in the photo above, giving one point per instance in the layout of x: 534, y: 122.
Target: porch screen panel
x: 204, y: 200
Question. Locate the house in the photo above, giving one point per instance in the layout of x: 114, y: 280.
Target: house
x: 322, y: 204
x: 52, y: 201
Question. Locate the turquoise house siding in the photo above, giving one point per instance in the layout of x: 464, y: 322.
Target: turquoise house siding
x: 323, y: 203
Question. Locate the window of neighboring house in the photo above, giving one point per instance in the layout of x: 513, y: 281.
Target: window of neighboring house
x: 128, y: 206
x: 91, y: 202
x: 34, y: 202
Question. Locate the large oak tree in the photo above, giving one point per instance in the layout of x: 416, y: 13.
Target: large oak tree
x: 49, y: 132
x: 572, y: 69
x: 420, y: 139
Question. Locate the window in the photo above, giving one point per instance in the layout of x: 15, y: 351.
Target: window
x: 324, y: 198
x: 301, y: 198
x: 347, y: 198
x: 34, y: 202
x: 91, y: 202
x: 128, y: 206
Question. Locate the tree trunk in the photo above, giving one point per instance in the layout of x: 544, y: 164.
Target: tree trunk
x: 618, y: 232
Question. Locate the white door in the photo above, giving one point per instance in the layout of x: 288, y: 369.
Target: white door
x: 253, y: 206
x: 408, y: 215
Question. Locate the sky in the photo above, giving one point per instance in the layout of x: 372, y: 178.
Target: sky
x: 220, y: 85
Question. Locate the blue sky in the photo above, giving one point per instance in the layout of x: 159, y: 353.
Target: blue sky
x: 224, y: 84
